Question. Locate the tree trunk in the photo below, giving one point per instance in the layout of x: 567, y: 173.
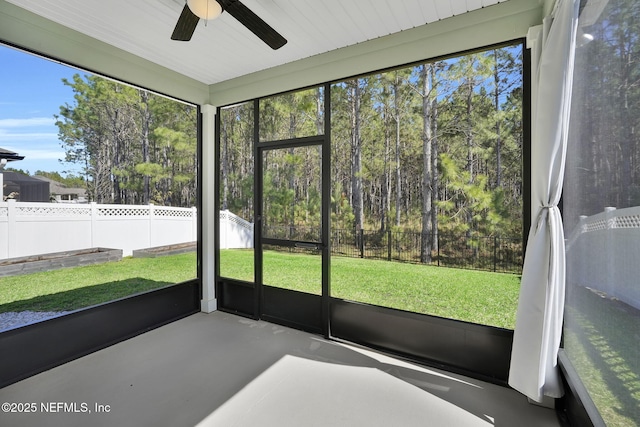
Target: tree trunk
x: 117, y: 195
x: 469, y: 141
x: 425, y: 247
x: 396, y: 106
x: 146, y: 120
x: 434, y: 164
x: 291, y: 172
x: 385, y: 190
x: 470, y: 164
x: 496, y: 80
x: 625, y: 144
x: 356, y: 152
x: 224, y: 156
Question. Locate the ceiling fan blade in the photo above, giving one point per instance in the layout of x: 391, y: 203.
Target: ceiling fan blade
x: 254, y: 23
x: 186, y: 25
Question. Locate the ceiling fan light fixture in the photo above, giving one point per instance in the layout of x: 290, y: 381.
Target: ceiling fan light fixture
x: 195, y: 10
x: 205, y: 9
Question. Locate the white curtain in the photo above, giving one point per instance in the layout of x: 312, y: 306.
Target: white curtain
x: 534, y: 370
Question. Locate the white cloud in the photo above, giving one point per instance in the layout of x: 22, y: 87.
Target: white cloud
x: 28, y: 136
x: 30, y: 129
x: 40, y: 153
x: 36, y: 138
x: 25, y: 123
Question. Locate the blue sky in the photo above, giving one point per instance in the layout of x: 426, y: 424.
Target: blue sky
x: 31, y: 93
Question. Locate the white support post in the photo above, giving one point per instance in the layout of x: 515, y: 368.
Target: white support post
x: 209, y: 302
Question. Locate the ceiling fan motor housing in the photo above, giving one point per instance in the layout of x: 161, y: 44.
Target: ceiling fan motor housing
x: 205, y: 9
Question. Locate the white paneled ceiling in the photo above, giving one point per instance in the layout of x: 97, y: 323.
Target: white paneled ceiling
x: 222, y: 49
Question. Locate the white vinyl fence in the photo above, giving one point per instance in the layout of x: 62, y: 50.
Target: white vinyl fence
x: 603, y: 253
x: 38, y: 228
x: 235, y: 232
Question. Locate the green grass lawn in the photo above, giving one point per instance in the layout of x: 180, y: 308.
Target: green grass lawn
x: 473, y: 296
x: 73, y: 288
x: 605, y: 356
x: 601, y: 340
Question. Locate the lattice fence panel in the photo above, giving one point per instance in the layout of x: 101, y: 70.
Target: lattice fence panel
x: 596, y: 225
x: 228, y: 216
x: 53, y: 211
x: 627, y: 221
x: 173, y: 213
x: 123, y: 211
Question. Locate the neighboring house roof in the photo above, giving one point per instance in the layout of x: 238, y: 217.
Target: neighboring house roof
x: 21, y: 178
x: 56, y: 187
x: 26, y: 188
x: 9, y: 155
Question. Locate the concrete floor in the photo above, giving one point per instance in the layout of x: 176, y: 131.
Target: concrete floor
x: 222, y: 370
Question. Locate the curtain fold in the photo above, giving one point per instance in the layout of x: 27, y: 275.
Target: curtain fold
x: 534, y: 370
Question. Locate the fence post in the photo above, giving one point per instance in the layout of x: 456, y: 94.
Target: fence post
x: 361, y: 231
x: 389, y: 244
x: 194, y: 224
x: 495, y: 246
x: 151, y: 215
x: 94, y: 218
x: 12, y: 230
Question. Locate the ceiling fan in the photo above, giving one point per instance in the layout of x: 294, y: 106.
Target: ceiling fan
x: 194, y: 10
